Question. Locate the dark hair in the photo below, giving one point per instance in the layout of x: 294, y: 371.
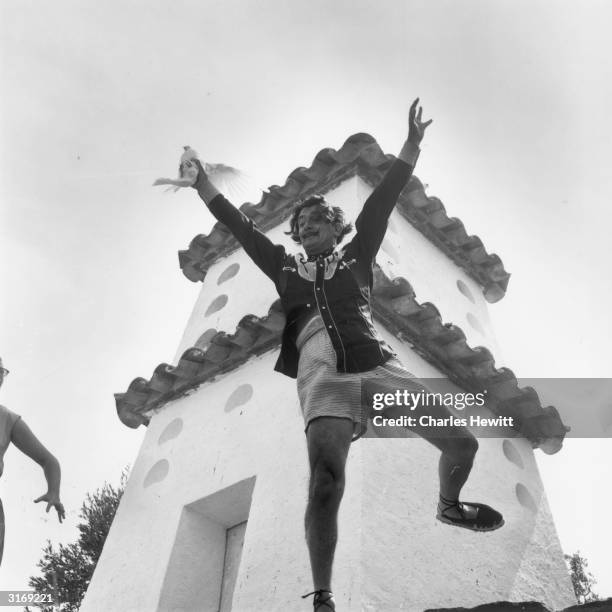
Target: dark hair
x: 334, y: 214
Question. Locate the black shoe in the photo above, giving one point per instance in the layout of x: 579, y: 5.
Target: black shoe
x: 477, y: 517
x: 323, y: 600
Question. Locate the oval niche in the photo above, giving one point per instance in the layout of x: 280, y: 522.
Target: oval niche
x: 204, y: 340
x: 171, y: 431
x: 525, y: 497
x: 463, y: 288
x: 475, y: 323
x: 217, y: 304
x: 157, y: 473
x: 512, y: 454
x: 228, y: 273
x: 240, y: 396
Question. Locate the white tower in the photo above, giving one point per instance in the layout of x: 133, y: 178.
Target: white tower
x: 211, y: 518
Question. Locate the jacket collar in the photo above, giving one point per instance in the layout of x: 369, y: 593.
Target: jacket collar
x: 322, y: 255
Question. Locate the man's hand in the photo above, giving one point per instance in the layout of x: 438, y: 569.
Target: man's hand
x: 416, y: 127
x: 202, y: 178
x: 206, y: 190
x: 53, y: 500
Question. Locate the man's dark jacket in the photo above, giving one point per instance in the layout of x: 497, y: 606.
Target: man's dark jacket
x: 343, y: 298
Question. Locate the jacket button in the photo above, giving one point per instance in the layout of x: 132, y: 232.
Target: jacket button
x: 307, y: 305
x: 322, y: 307
x: 329, y: 326
x: 318, y: 288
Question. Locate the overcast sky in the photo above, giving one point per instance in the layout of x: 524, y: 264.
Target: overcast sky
x: 98, y: 99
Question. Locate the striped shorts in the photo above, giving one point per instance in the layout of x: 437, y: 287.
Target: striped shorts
x: 325, y: 392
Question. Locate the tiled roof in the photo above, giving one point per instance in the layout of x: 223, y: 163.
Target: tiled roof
x: 395, y: 305
x: 253, y: 336
x: 360, y: 155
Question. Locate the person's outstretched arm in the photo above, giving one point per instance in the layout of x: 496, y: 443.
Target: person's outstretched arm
x: 371, y: 224
x: 269, y: 257
x: 23, y: 438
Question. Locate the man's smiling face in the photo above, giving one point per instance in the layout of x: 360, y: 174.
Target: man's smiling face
x: 317, y: 233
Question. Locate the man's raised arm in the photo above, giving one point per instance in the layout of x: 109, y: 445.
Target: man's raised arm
x: 269, y: 257
x: 371, y: 224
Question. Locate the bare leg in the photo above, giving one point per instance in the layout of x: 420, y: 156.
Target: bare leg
x: 328, y: 441
x: 458, y: 448
x: 455, y: 463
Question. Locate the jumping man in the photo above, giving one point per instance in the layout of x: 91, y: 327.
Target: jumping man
x: 330, y: 345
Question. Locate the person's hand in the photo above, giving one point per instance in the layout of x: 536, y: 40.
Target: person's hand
x: 416, y: 126
x: 53, y: 500
x: 202, y: 177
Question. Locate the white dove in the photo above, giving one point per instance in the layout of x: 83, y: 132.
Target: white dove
x: 219, y: 174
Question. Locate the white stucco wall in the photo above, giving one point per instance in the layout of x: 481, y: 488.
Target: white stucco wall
x: 163, y: 548
x: 392, y: 553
